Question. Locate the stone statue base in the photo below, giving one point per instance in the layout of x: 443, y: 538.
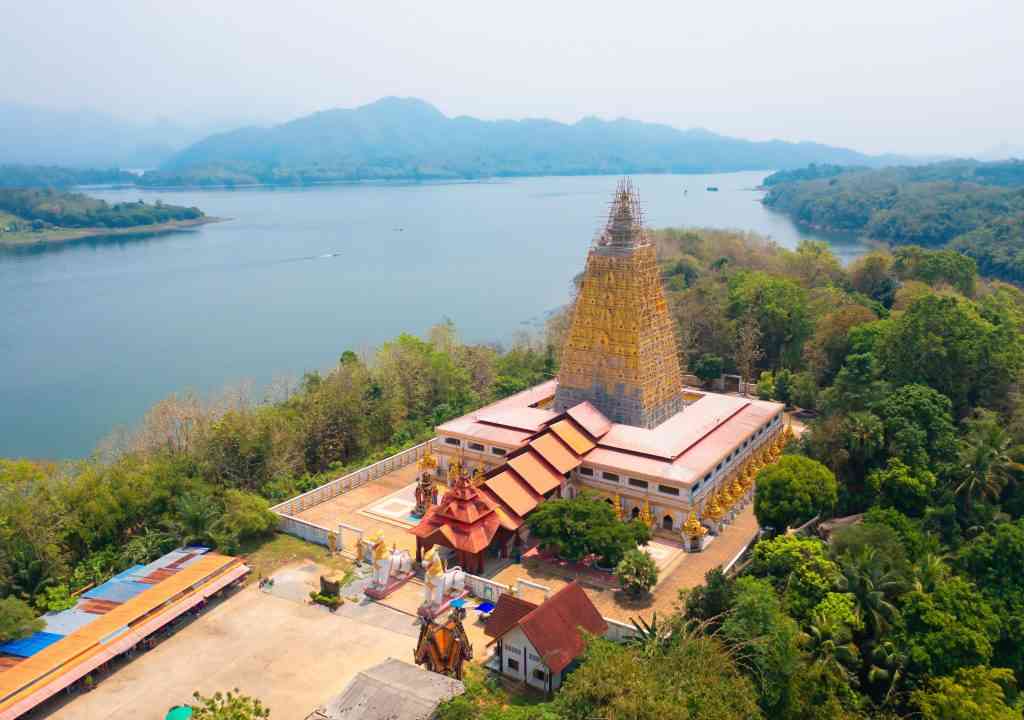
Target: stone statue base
x: 430, y: 612
x: 394, y: 582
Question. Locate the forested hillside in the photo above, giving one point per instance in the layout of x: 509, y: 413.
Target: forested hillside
x: 977, y: 208
x: 410, y: 139
x: 28, y: 176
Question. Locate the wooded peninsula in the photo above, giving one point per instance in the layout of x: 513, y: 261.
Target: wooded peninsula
x: 973, y: 207
x: 40, y: 215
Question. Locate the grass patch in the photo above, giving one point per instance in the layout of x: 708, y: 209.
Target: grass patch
x: 266, y: 555
x: 488, y: 696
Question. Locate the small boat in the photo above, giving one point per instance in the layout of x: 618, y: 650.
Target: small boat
x: 712, y: 188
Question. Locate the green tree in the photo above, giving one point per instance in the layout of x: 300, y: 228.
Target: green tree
x: 780, y: 307
x: 799, y: 569
x: 693, y: 677
x: 949, y: 628
x: 637, y: 571
x: 584, y: 525
x: 228, y: 706
x: 873, y: 586
x: 900, y: 487
x: 976, y: 693
x: 792, y: 491
x: 767, y: 639
x: 919, y: 426
x: 17, y: 619
x: 944, y: 342
x: 708, y: 367
x: 708, y: 603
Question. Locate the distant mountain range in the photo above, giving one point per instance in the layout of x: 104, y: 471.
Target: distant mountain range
x: 402, y: 138
x: 85, y: 139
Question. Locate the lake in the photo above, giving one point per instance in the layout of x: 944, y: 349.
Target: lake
x: 97, y: 331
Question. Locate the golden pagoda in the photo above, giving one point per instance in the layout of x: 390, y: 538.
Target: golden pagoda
x: 620, y: 351
x: 618, y: 506
x: 692, y: 528
x: 712, y: 509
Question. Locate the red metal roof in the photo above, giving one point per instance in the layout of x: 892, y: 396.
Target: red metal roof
x: 528, y: 418
x: 590, y: 419
x: 514, y: 492
x: 570, y: 433
x: 556, y: 452
x: 538, y: 474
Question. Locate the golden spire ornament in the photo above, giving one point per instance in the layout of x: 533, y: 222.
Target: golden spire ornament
x: 645, y: 514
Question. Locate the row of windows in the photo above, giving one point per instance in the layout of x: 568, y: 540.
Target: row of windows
x: 633, y: 482
x: 733, y: 455
x: 474, y: 446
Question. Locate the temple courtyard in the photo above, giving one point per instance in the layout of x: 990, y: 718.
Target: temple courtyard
x: 384, y: 505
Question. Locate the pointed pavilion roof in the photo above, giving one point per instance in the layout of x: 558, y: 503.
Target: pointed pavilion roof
x: 465, y: 519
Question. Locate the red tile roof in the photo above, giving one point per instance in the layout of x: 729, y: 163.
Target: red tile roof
x: 553, y: 627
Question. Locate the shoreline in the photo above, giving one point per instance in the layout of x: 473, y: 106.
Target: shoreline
x: 63, y: 235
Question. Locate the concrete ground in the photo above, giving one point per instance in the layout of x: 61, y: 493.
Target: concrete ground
x: 291, y: 655
x: 350, y: 508
x: 686, y: 573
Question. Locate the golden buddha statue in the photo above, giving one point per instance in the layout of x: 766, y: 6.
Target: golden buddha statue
x: 712, y: 509
x: 645, y: 514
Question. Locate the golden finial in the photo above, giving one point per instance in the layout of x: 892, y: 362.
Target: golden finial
x: 617, y: 506
x: 428, y: 461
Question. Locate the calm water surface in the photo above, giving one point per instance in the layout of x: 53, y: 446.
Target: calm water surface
x: 97, y: 331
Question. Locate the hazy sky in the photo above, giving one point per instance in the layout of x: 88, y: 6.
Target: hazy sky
x: 922, y: 76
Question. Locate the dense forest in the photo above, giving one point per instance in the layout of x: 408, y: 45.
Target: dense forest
x: 907, y: 365
x: 42, y: 208
x: 977, y: 208
x: 27, y: 176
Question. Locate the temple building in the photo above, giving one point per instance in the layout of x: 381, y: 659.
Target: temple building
x: 617, y: 420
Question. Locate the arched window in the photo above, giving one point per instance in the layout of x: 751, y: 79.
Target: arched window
x: 636, y: 513
x: 666, y: 522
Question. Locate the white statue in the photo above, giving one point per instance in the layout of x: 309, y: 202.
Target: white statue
x: 439, y: 582
x: 387, y: 563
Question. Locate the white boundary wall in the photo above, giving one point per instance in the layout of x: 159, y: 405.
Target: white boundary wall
x: 332, y: 489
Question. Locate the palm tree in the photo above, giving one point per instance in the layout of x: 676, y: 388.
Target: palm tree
x: 196, y: 514
x: 986, y: 459
x: 865, y: 576
x: 886, y: 668
x: 827, y: 641
x: 929, y: 572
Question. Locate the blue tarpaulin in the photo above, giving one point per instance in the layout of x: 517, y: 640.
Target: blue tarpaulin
x: 67, y: 621
x: 27, y: 647
x: 118, y: 591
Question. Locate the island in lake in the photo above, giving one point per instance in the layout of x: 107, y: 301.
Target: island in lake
x: 40, y: 215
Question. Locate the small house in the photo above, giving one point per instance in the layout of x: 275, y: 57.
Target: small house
x: 539, y: 644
